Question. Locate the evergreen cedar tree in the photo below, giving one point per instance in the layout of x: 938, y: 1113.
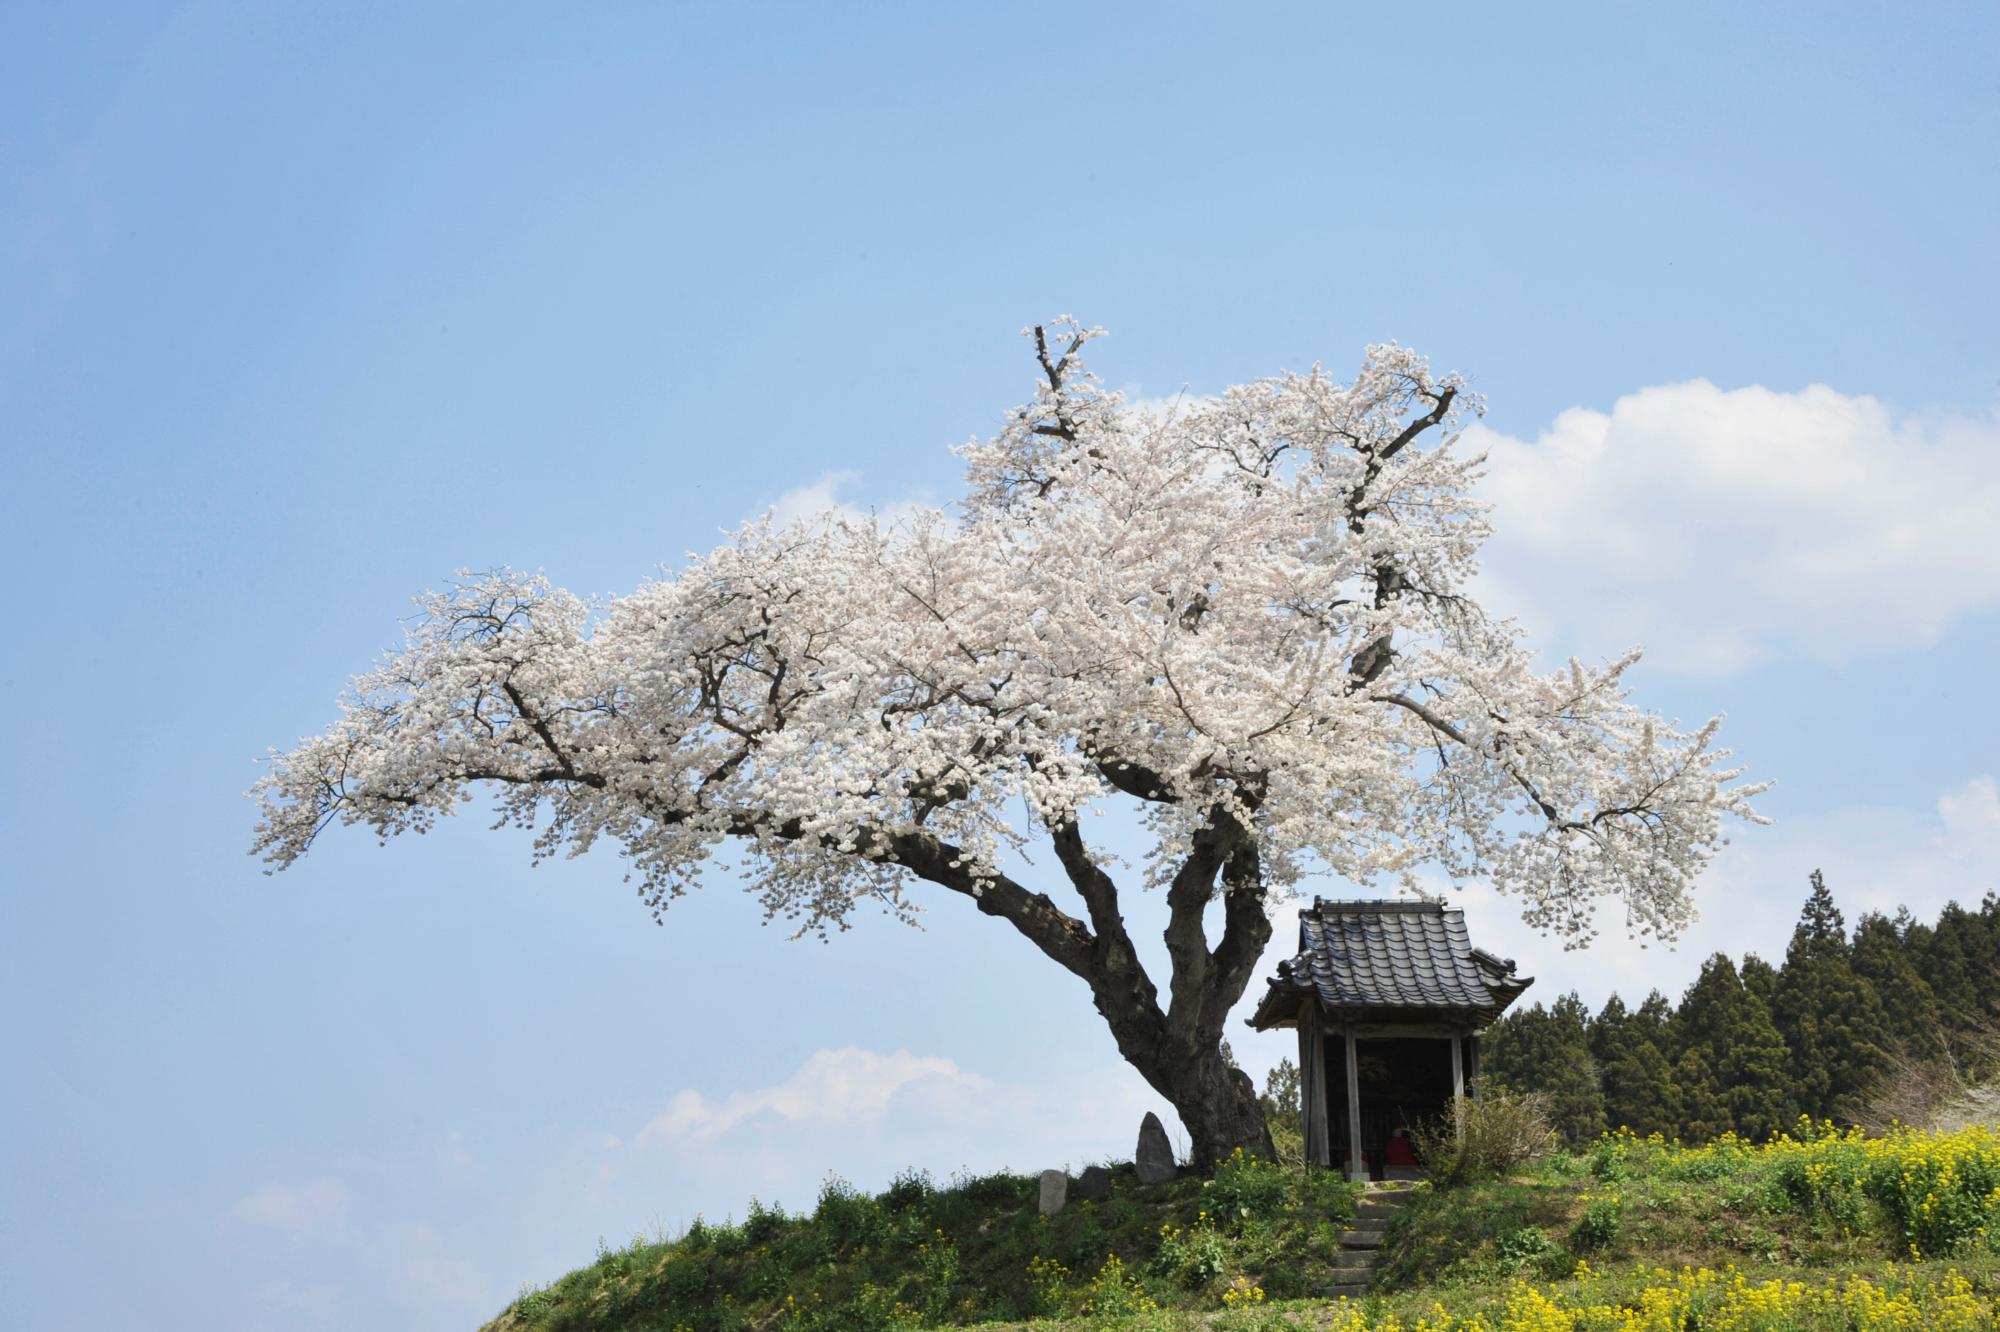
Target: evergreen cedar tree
x: 1250, y: 617
x: 1751, y: 1048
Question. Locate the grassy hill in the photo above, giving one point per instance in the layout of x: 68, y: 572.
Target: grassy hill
x: 1819, y: 1231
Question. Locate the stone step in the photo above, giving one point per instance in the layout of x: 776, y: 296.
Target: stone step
x: 1347, y: 1290
x: 1355, y: 1260
x: 1376, y: 1209
x: 1362, y: 1237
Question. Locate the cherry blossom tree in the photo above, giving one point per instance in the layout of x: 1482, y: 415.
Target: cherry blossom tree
x: 1249, y: 617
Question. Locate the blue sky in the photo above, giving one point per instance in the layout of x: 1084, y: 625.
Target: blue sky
x: 303, y: 308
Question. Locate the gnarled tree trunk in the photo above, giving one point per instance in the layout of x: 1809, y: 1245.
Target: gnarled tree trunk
x: 1216, y: 1101
x: 1178, y: 1048
x: 1218, y: 1104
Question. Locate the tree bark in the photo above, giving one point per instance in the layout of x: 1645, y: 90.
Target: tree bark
x: 1216, y: 1101
x: 1218, y: 1106
x: 1179, y: 1050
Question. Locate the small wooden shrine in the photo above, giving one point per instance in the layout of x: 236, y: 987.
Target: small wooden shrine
x: 1388, y: 999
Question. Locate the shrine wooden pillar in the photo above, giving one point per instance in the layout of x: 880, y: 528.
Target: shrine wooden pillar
x: 1357, y: 1168
x: 1312, y: 1087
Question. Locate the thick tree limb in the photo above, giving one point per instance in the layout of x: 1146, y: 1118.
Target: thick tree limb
x: 1190, y: 990
x: 1246, y: 925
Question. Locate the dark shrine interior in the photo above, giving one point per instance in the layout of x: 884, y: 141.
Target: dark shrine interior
x: 1404, y: 1081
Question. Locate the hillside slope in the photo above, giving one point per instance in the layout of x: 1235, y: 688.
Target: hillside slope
x: 974, y: 1251
x: 1819, y: 1231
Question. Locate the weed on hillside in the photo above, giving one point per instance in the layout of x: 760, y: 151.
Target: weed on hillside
x: 1819, y: 1199
x: 973, y: 1251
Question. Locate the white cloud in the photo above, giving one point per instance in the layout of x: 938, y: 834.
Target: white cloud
x: 865, y: 1117
x: 1723, y: 529
x: 1971, y: 818
x: 823, y: 499
x: 1876, y: 858
x: 294, y: 1207
x: 846, y: 1086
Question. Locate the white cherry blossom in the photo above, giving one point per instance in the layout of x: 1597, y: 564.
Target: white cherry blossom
x: 1248, y: 615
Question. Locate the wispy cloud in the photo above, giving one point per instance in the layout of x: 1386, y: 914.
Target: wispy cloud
x: 292, y: 1207
x: 865, y: 1116
x: 828, y: 498
x: 845, y: 1086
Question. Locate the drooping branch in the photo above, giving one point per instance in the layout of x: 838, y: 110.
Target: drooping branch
x: 1061, y: 937
x: 1449, y: 731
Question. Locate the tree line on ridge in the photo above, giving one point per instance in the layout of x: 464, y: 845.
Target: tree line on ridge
x: 1846, y: 1025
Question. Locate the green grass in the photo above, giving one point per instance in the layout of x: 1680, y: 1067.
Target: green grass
x: 1249, y: 1250
x: 975, y: 1251
x: 1540, y: 1225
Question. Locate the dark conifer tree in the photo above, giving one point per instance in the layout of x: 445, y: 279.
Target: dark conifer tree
x: 1958, y: 959
x: 1654, y: 1019
x: 1946, y: 960
x: 1637, y: 1079
x: 1985, y: 959
x: 1639, y: 1091
x: 1822, y: 930
x: 1882, y: 956
x: 1748, y: 1049
x: 1830, y: 1017
x: 1548, y: 1051
x: 1760, y: 978
x: 1700, y: 1113
x: 1977, y: 946
x: 1575, y: 1093
x: 1732, y: 1029
x: 1916, y: 937
x: 1609, y: 1031
x: 1756, y: 1076
x: 1507, y: 1051
x: 1701, y: 1019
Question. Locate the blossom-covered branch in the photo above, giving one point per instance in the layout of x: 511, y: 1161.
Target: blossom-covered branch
x: 1250, y: 616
